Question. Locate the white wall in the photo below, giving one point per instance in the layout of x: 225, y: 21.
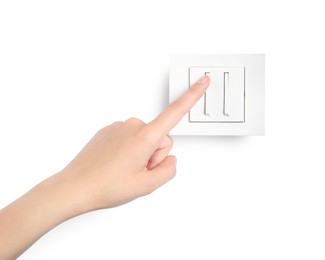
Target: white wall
x: 68, y: 68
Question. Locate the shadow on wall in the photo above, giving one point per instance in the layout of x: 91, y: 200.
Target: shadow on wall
x: 214, y: 140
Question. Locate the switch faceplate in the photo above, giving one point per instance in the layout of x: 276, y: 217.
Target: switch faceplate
x: 224, y: 101
x: 234, y: 102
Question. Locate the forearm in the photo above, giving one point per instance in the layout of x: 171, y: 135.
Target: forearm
x: 27, y: 219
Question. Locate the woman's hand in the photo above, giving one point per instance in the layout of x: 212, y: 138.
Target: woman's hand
x: 121, y: 162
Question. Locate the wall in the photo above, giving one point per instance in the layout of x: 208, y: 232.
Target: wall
x: 68, y: 68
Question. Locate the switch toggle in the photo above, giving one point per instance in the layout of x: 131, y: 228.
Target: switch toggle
x: 225, y: 88
x: 224, y: 100
x: 205, y: 98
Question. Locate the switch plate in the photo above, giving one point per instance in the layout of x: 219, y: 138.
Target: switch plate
x: 224, y: 101
x: 234, y: 101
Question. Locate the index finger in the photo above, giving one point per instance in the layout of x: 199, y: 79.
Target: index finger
x: 174, y: 112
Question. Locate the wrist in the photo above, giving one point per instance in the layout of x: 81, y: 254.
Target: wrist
x: 63, y: 196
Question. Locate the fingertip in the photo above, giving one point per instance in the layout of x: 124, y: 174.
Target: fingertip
x: 201, y: 85
x: 203, y: 80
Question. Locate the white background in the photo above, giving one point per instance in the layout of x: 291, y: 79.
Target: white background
x: 68, y: 68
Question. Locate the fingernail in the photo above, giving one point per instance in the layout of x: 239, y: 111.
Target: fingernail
x: 203, y: 80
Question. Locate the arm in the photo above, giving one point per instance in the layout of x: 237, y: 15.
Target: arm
x: 98, y: 177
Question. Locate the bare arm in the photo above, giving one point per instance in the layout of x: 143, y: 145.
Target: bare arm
x: 122, y: 162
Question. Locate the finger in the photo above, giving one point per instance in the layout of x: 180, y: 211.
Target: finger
x: 174, y: 113
x: 161, y: 153
x: 161, y: 174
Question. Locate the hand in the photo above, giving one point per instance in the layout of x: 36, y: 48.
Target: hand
x: 129, y: 159
x: 121, y: 162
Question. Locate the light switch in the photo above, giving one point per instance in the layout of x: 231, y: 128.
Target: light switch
x: 234, y: 102
x: 224, y: 101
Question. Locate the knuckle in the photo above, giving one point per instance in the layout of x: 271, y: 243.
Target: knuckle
x: 103, y: 130
x: 108, y: 128
x: 117, y: 123
x: 134, y: 120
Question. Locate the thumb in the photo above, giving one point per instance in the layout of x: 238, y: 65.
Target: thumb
x: 162, y: 173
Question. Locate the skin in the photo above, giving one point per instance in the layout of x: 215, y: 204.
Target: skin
x: 122, y: 162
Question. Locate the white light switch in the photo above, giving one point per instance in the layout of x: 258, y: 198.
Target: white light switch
x: 234, y: 102
x: 224, y: 101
